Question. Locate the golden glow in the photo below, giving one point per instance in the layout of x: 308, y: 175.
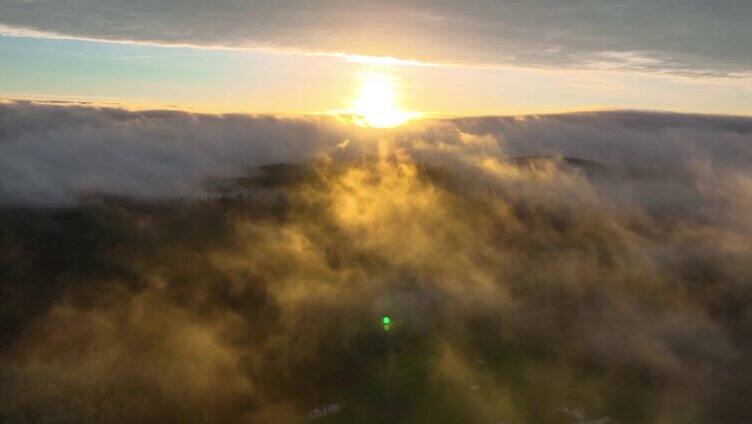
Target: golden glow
x: 386, y: 61
x: 377, y: 104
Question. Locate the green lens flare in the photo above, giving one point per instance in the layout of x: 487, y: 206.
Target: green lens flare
x: 386, y: 320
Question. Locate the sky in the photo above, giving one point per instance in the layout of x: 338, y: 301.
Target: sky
x: 431, y: 58
x: 208, y: 207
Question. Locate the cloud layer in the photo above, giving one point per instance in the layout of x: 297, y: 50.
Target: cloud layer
x: 52, y: 154
x: 686, y: 37
x: 536, y: 269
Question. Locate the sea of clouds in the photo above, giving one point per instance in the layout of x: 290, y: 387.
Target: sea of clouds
x: 537, y: 269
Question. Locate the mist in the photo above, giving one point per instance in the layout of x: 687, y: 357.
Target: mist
x: 173, y: 267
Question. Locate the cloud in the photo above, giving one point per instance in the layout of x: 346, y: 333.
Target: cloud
x: 52, y: 154
x: 628, y: 138
x: 597, y: 261
x: 687, y: 38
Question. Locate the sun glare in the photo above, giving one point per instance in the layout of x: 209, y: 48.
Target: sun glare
x: 377, y: 104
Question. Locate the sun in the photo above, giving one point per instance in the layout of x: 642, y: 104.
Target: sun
x: 377, y: 103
